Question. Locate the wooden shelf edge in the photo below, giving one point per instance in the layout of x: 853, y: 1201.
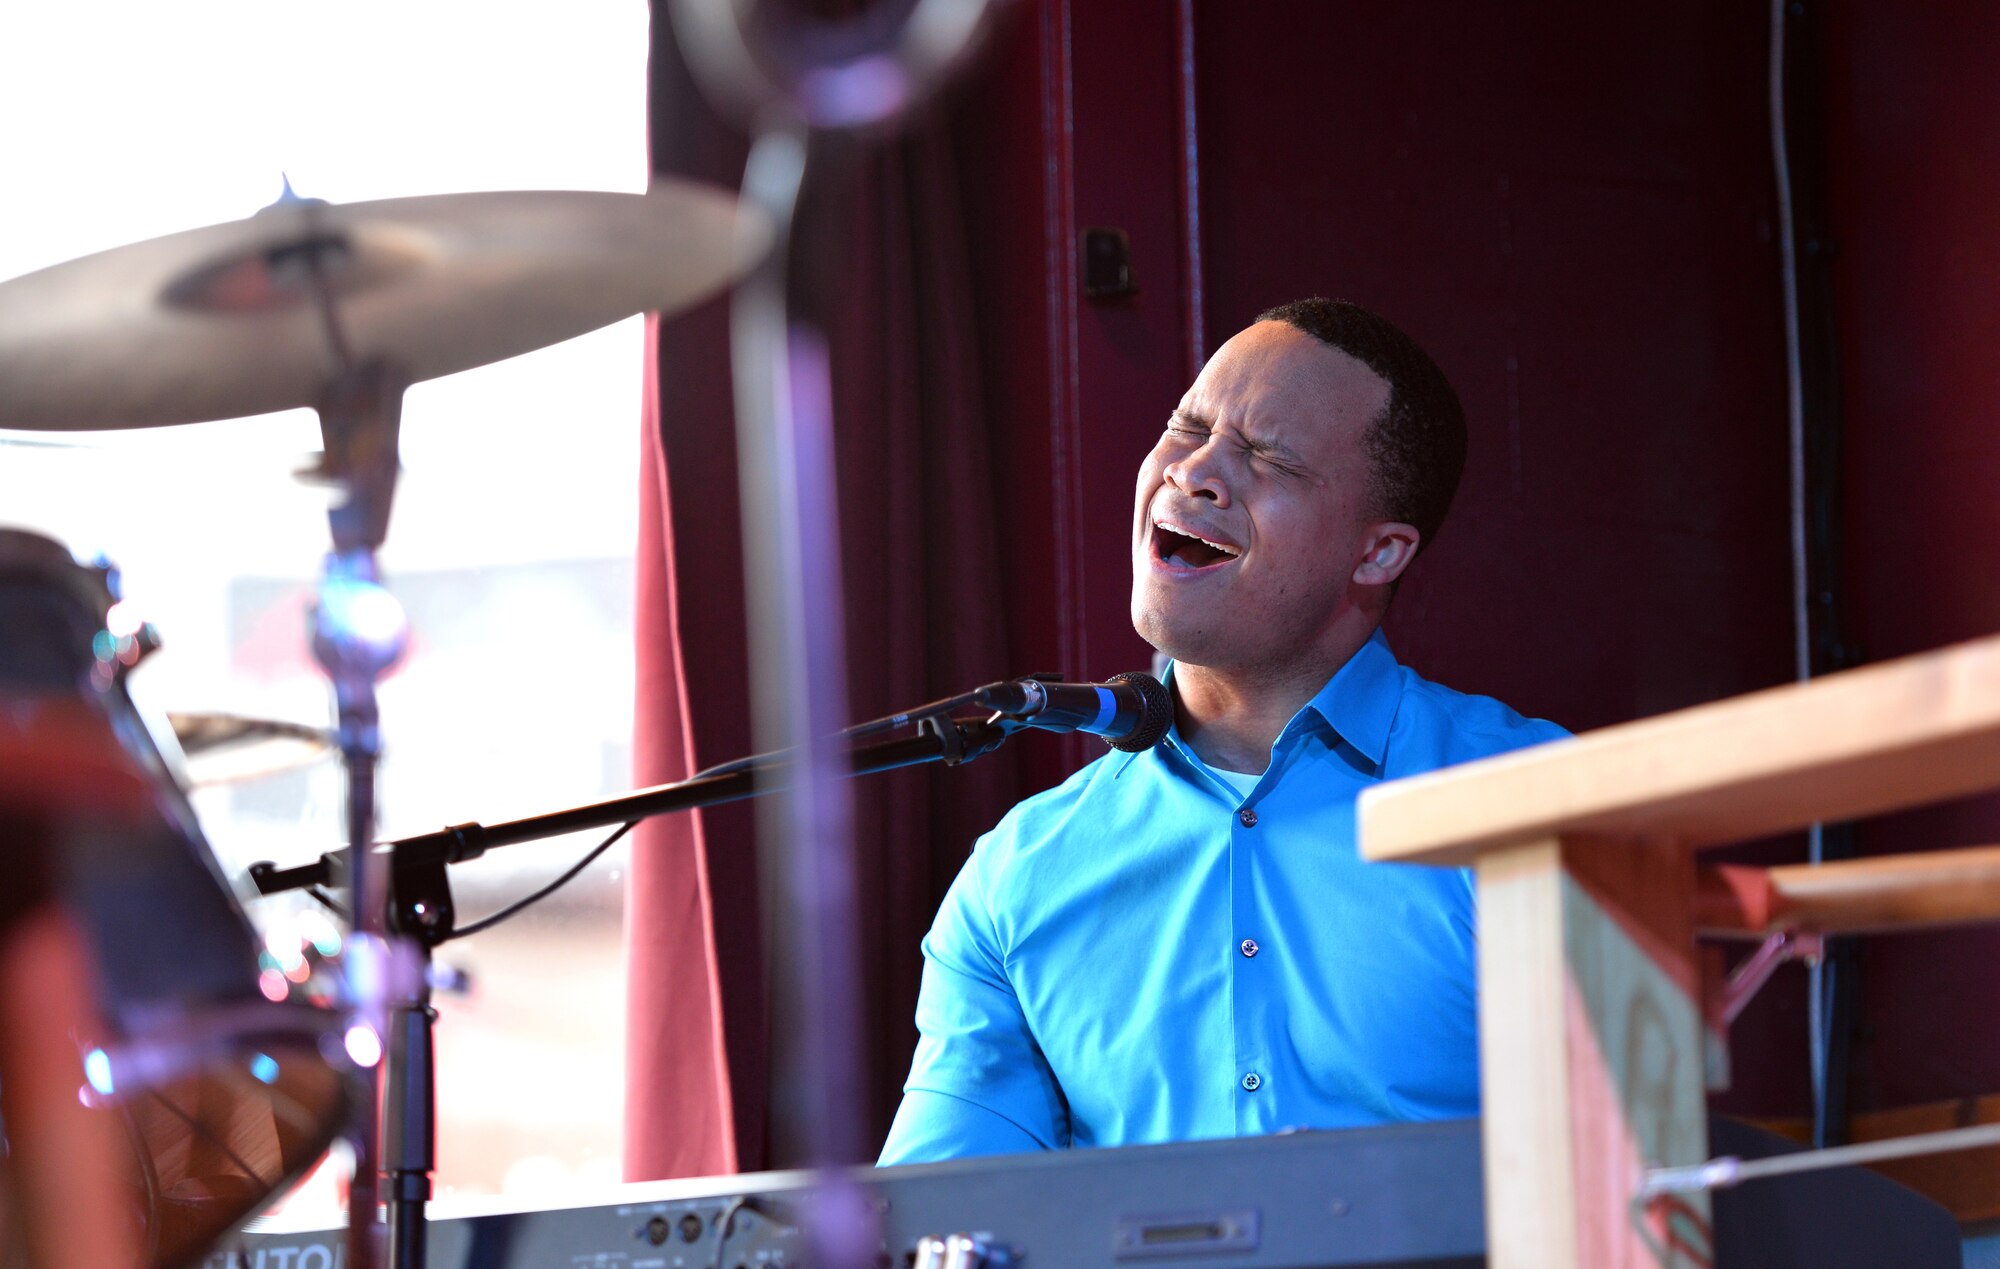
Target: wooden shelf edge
x: 1852, y: 896
x: 1904, y: 732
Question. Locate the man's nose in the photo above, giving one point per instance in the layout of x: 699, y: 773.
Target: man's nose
x: 1200, y: 475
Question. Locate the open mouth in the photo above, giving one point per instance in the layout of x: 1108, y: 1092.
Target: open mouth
x: 1187, y: 552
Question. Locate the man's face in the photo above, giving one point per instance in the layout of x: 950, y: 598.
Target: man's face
x: 1253, y: 510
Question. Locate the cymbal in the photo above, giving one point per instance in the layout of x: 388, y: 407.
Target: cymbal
x: 222, y: 321
x: 224, y: 748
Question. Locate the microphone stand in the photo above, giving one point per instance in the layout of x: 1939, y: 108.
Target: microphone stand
x: 420, y: 909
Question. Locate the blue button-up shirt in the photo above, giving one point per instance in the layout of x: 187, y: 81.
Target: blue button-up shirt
x: 1146, y: 954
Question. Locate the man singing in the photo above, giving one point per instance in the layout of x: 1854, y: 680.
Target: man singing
x: 1183, y: 943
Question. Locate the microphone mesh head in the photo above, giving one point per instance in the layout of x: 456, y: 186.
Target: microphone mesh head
x: 1156, y: 713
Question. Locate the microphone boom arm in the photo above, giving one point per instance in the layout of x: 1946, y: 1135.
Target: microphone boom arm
x: 939, y: 738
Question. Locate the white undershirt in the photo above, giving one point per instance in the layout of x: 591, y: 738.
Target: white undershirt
x: 1240, y: 781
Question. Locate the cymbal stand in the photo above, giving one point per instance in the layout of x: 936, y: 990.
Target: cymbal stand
x: 788, y: 80
x: 359, y: 632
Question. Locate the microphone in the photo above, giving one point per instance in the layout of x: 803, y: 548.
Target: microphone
x: 1130, y: 711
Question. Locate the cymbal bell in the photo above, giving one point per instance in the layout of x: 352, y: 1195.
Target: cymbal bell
x: 225, y: 320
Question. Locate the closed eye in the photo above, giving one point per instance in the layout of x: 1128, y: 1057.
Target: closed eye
x: 1277, y: 460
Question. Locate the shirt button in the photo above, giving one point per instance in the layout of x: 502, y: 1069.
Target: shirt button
x: 1251, y: 1083
x: 1248, y: 816
x: 1249, y: 947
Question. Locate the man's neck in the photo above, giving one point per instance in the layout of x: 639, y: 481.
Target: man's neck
x: 1231, y: 718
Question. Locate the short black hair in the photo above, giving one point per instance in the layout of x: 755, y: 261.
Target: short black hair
x: 1417, y: 444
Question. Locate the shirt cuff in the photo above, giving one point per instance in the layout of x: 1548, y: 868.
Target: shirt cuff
x: 930, y: 1127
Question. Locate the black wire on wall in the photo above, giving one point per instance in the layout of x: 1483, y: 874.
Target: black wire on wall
x: 1806, y: 250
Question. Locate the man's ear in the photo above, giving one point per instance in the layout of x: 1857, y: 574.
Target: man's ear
x: 1392, y: 547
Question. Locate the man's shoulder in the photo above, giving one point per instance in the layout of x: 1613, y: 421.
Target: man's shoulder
x: 1444, y: 725
x: 1079, y: 803
x: 1115, y: 797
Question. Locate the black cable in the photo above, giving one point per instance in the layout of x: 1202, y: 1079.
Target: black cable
x: 1821, y: 646
x: 327, y: 901
x: 488, y: 922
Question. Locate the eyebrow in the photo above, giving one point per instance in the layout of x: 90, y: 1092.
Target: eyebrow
x: 1283, y: 453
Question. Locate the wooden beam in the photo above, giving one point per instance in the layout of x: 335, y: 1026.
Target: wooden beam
x: 1855, y: 896
x: 1591, y: 1030
x: 1590, y: 1055
x: 1524, y: 1058
x: 1864, y: 741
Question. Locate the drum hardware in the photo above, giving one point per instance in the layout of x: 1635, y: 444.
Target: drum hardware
x: 340, y: 308
x: 226, y: 320
x: 197, y: 1098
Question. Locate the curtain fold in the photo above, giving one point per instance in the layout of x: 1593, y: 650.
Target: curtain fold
x: 880, y: 267
x: 680, y: 1117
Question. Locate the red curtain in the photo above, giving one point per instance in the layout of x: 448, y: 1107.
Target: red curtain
x: 680, y: 1118
x: 880, y: 267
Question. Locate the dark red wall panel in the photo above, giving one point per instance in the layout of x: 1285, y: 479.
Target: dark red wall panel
x: 1130, y: 352
x: 1073, y: 123
x: 1569, y: 205
x: 1915, y: 167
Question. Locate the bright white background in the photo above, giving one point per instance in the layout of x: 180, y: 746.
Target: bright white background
x: 515, y: 520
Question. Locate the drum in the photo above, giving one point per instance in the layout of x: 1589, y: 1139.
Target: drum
x: 152, y: 1096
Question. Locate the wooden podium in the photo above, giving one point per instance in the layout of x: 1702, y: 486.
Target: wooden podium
x: 1591, y: 1013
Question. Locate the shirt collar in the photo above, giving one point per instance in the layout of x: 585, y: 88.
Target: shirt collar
x: 1359, y: 701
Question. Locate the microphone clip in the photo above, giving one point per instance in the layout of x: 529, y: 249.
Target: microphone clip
x: 960, y: 742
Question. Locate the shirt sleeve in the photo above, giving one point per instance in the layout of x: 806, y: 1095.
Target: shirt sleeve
x: 979, y: 1083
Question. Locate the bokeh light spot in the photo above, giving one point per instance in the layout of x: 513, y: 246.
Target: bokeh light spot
x: 363, y: 1045
x: 97, y: 1069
